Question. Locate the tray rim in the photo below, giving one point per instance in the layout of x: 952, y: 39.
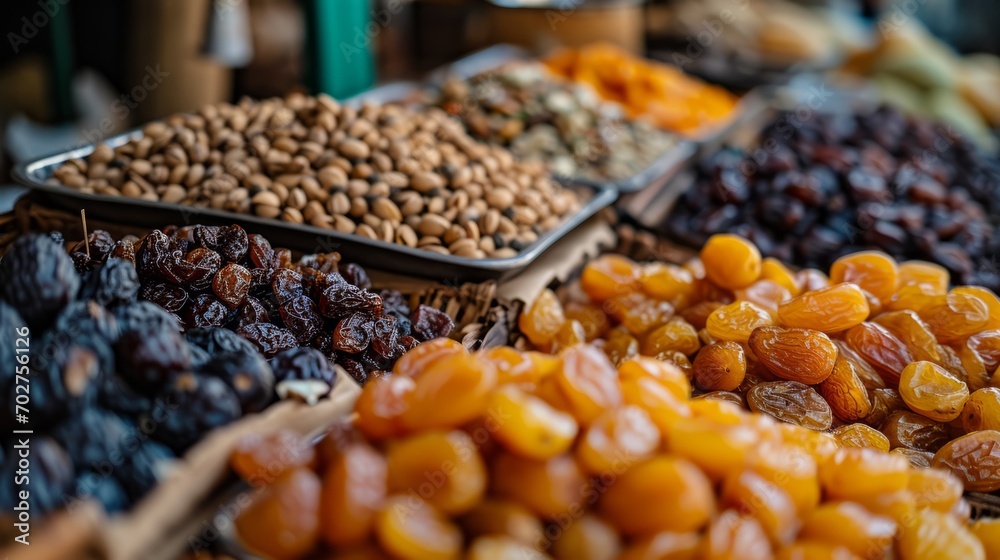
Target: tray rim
x: 29, y: 174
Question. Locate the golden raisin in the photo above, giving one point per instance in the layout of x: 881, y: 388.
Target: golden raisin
x: 809, y: 550
x: 661, y: 403
x: 851, y: 526
x: 409, y: 528
x: 676, y: 335
x: 616, y: 438
x: 869, y: 377
x: 531, y: 427
x: 932, y: 534
x: 727, y: 396
x: 608, y: 276
x: 987, y: 530
x: 570, y: 334
x: 354, y: 490
x: 885, y: 401
x: 987, y: 297
x: 872, y: 271
x: 956, y: 316
x: 639, y: 313
x: 497, y: 547
x: 512, y: 365
x: 917, y: 458
x: 450, y: 392
x: 982, y: 410
x: 930, y: 390
x: 774, y: 270
x: 792, y: 402
x: 717, y: 448
x: 880, y: 348
x: 668, y: 282
x: 443, y: 468
x: 970, y: 366
x: 987, y: 345
x: 974, y: 458
x: 589, y: 383
x: 802, y: 355
x: 663, y: 546
x: 735, y: 322
x: 541, y: 320
x: 792, y: 468
x: 549, y: 488
x: 856, y: 472
x: 765, y: 294
x: 667, y: 374
x: 659, y: 494
x: 730, y: 261
x: 588, y: 538
x: 829, y: 310
x: 914, y: 297
x: 503, y: 517
x: 915, y: 431
x: 935, y: 488
x: 592, y: 318
x: 699, y: 313
x: 720, y: 367
x: 751, y: 495
x: 282, y: 522
x: 924, y: 273
x: 860, y: 435
x: 845, y: 392
x: 811, y: 279
x: 620, y: 346
x: 732, y: 536
x: 907, y: 326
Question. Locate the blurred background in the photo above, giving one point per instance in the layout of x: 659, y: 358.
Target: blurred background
x: 72, y: 73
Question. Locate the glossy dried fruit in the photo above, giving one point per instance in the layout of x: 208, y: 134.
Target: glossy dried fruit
x: 720, y: 367
x: 659, y: 494
x: 872, y: 271
x: 410, y: 529
x: 735, y: 322
x: 931, y: 534
x: 845, y: 392
x: 854, y: 473
x: 231, y: 284
x: 792, y: 402
x: 260, y: 458
x: 732, y: 535
x: 462, y: 380
x: 915, y: 431
x: 933, y: 276
x: 340, y: 299
x: 112, y: 284
x: 168, y: 296
x: 638, y: 313
x: 449, y: 459
x: 149, y: 359
x: 503, y: 517
x: 593, y: 319
x: 38, y: 278
x: 588, y: 538
x: 833, y: 309
x: 549, y: 487
x: 803, y: 355
x: 198, y: 404
x: 420, y: 358
x: 282, y: 521
x: 301, y: 316
x: 381, y: 404
x: 621, y: 346
x: 206, y: 310
x: 269, y: 338
x: 677, y: 335
x: 751, y: 495
x: 354, y: 333
x: 860, y: 435
x: 542, y: 319
x: 881, y: 349
x: 956, y: 316
x: 851, y: 526
x: 766, y: 294
x: 986, y: 344
x: 935, y: 488
x: 907, y: 326
x: 429, y: 323
x: 588, y: 382
x: 930, y: 390
x: 974, y: 458
x: 668, y: 282
x: 247, y: 374
x: 608, y: 276
x: 626, y: 432
x: 982, y: 410
x: 532, y: 428
x: 731, y: 261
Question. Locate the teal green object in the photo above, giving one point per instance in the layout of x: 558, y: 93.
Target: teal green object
x: 340, y: 46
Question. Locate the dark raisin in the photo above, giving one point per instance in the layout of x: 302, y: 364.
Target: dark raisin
x: 232, y: 284
x: 356, y: 275
x: 149, y: 359
x: 286, y: 284
x: 353, y: 368
x: 199, y: 357
x: 282, y: 258
x: 104, y: 489
x: 303, y: 364
x: 82, y: 263
x: 430, y: 323
x: 207, y: 236
x: 142, y: 468
x: 233, y: 243
x: 261, y: 253
x: 260, y: 281
x: 101, y: 244
x: 144, y: 315
x: 269, y: 338
x: 170, y: 297
x: 118, y: 395
x: 216, y: 341
x: 326, y: 263
x: 339, y: 300
x: 384, y: 335
x: 114, y: 283
x: 124, y: 250
x: 206, y: 263
x: 301, y: 316
x: 156, y: 259
x: 197, y: 405
x: 95, y: 439
x: 38, y: 278
x: 354, y: 333
x: 407, y: 343
x: 206, y: 310
x: 394, y: 304
x: 248, y: 375
x: 252, y: 311
x: 52, y: 476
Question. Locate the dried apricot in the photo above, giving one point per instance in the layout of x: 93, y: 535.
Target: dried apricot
x: 732, y: 536
x: 589, y: 383
x: 354, y: 490
x: 449, y: 393
x: 930, y: 390
x: 856, y: 472
x: 717, y: 448
x: 872, y: 271
x: 676, y: 335
x: 880, y: 348
x: 982, y: 410
x: 663, y: 546
x: 974, y: 458
x: 503, y: 517
x: 735, y: 322
x: 803, y: 355
x: 409, y: 528
x: 667, y: 374
x: 730, y: 261
x: 956, y: 316
x: 829, y: 310
x: 283, y: 520
x: 549, y: 488
x: 808, y: 550
x: 415, y: 361
x: 932, y: 534
x: 915, y: 431
x: 659, y: 494
x: 774, y: 270
x: 617, y: 437
x: 792, y: 402
x: 851, y: 526
x: 512, y: 365
x: 662, y: 404
x: 530, y: 427
x: 259, y: 458
x: 381, y: 404
x: 845, y: 392
x: 608, y: 276
x: 861, y: 435
x: 751, y: 495
x: 588, y: 538
x: 443, y: 468
x: 541, y: 320
x: 720, y: 367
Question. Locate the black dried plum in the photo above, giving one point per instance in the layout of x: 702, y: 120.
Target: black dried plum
x: 82, y: 263
x: 87, y: 317
x: 95, y: 439
x: 354, y: 333
x: 149, y: 359
x: 248, y: 375
x: 65, y: 379
x: 206, y: 236
x: 170, y: 297
x: 260, y: 281
x: 100, y: 245
x: 357, y: 276
x: 269, y: 338
x: 430, y: 323
x: 217, y: 340
x: 231, y: 284
x: 38, y: 278
x: 155, y: 259
x: 196, y: 404
x: 286, y: 284
x: 339, y: 300
x: 233, y: 243
x: 261, y: 253
x: 301, y: 316
x: 299, y: 364
x: 113, y: 283
x: 199, y: 357
x: 144, y: 466
x: 52, y: 477
x: 118, y: 395
x: 144, y: 315
x: 252, y: 311
x: 206, y: 310
x: 104, y: 489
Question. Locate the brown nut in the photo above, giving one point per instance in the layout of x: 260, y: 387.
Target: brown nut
x: 387, y: 210
x: 433, y: 225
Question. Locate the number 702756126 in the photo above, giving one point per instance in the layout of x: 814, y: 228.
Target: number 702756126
x: 22, y: 387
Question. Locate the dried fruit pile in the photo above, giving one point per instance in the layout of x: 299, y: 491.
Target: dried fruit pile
x: 820, y: 188
x: 382, y: 172
x: 508, y: 454
x: 297, y: 314
x: 541, y: 117
x: 881, y: 352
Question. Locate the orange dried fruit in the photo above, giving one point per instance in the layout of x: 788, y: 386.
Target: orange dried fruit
x: 856, y: 472
x: 589, y: 383
x: 982, y: 410
x: 811, y: 279
x: 774, y: 270
x: 676, y: 335
x: 987, y: 530
x: 668, y: 282
x: 663, y: 546
x: 732, y: 536
x: 588, y: 538
x: 512, y: 365
x: 917, y: 458
x: 872, y: 271
x: 259, y: 458
x: 659, y: 494
x: 549, y: 488
x: 503, y: 517
x: 443, y: 468
x: 282, y: 521
x: 735, y: 322
x: 791, y: 468
x: 730, y: 261
x: 608, y: 276
x: 617, y: 438
x: 662, y: 404
x: 415, y: 361
x: 987, y: 345
x: 851, y: 526
x: 720, y: 367
x: 570, y: 334
x: 498, y: 547
x: 881, y: 349
x: 542, y: 319
x: 717, y: 448
x: 845, y: 392
x: 885, y: 401
x: 667, y: 374
x: 461, y: 380
x: 932, y: 534
x: 808, y: 550
x: 354, y: 490
x: 749, y: 494
x: 935, y: 488
x: 592, y: 318
x: 930, y: 390
x: 833, y: 309
x: 620, y: 346
x: 907, y: 326
x: 408, y: 528
x: 381, y: 404
x: 860, y: 435
x: 792, y: 402
x: 529, y: 426
x: 915, y: 431
x: 697, y: 314
x: 803, y: 355
x: 638, y: 313
x: 956, y: 316
x: 765, y: 294
x: 987, y: 297
x: 974, y: 458
x: 924, y: 273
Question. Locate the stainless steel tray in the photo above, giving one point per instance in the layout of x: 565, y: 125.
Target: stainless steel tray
x: 371, y: 253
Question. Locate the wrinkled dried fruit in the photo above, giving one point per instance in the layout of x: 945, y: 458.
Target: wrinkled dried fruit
x: 974, y: 458
x: 283, y: 520
x: 792, y: 402
x: 660, y: 494
x: 845, y: 392
x: 872, y: 271
x: 803, y: 355
x: 914, y: 431
x: 735, y: 322
x: 449, y: 458
x: 720, y: 367
x: 930, y: 390
x: 731, y: 261
x: 829, y: 310
x: 880, y: 348
x: 541, y: 321
x: 608, y: 276
x: 860, y: 435
x: 982, y: 410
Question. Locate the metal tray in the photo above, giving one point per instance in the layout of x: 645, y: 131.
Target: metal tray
x: 371, y: 253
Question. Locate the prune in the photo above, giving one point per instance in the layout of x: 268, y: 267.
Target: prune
x: 252, y: 311
x: 37, y: 277
x: 792, y: 402
x: 429, y: 323
x: 170, y: 297
x: 207, y: 236
x: 356, y: 275
x: 143, y: 466
x: 299, y: 364
x: 198, y: 404
x: 199, y: 357
x: 215, y: 340
x: 261, y: 253
x: 232, y: 284
x: 148, y: 359
x: 87, y: 317
x: 52, y: 476
x: 384, y: 337
x: 113, y: 283
x: 144, y: 316
x: 155, y: 259
x: 118, y: 395
x: 94, y: 438
x: 204, y: 264
x: 206, y: 310
x: 248, y: 375
x: 269, y: 338
x: 341, y: 299
x: 100, y: 242
x: 106, y: 490
x: 301, y: 316
x: 287, y: 284
x: 233, y: 243
x: 354, y: 333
